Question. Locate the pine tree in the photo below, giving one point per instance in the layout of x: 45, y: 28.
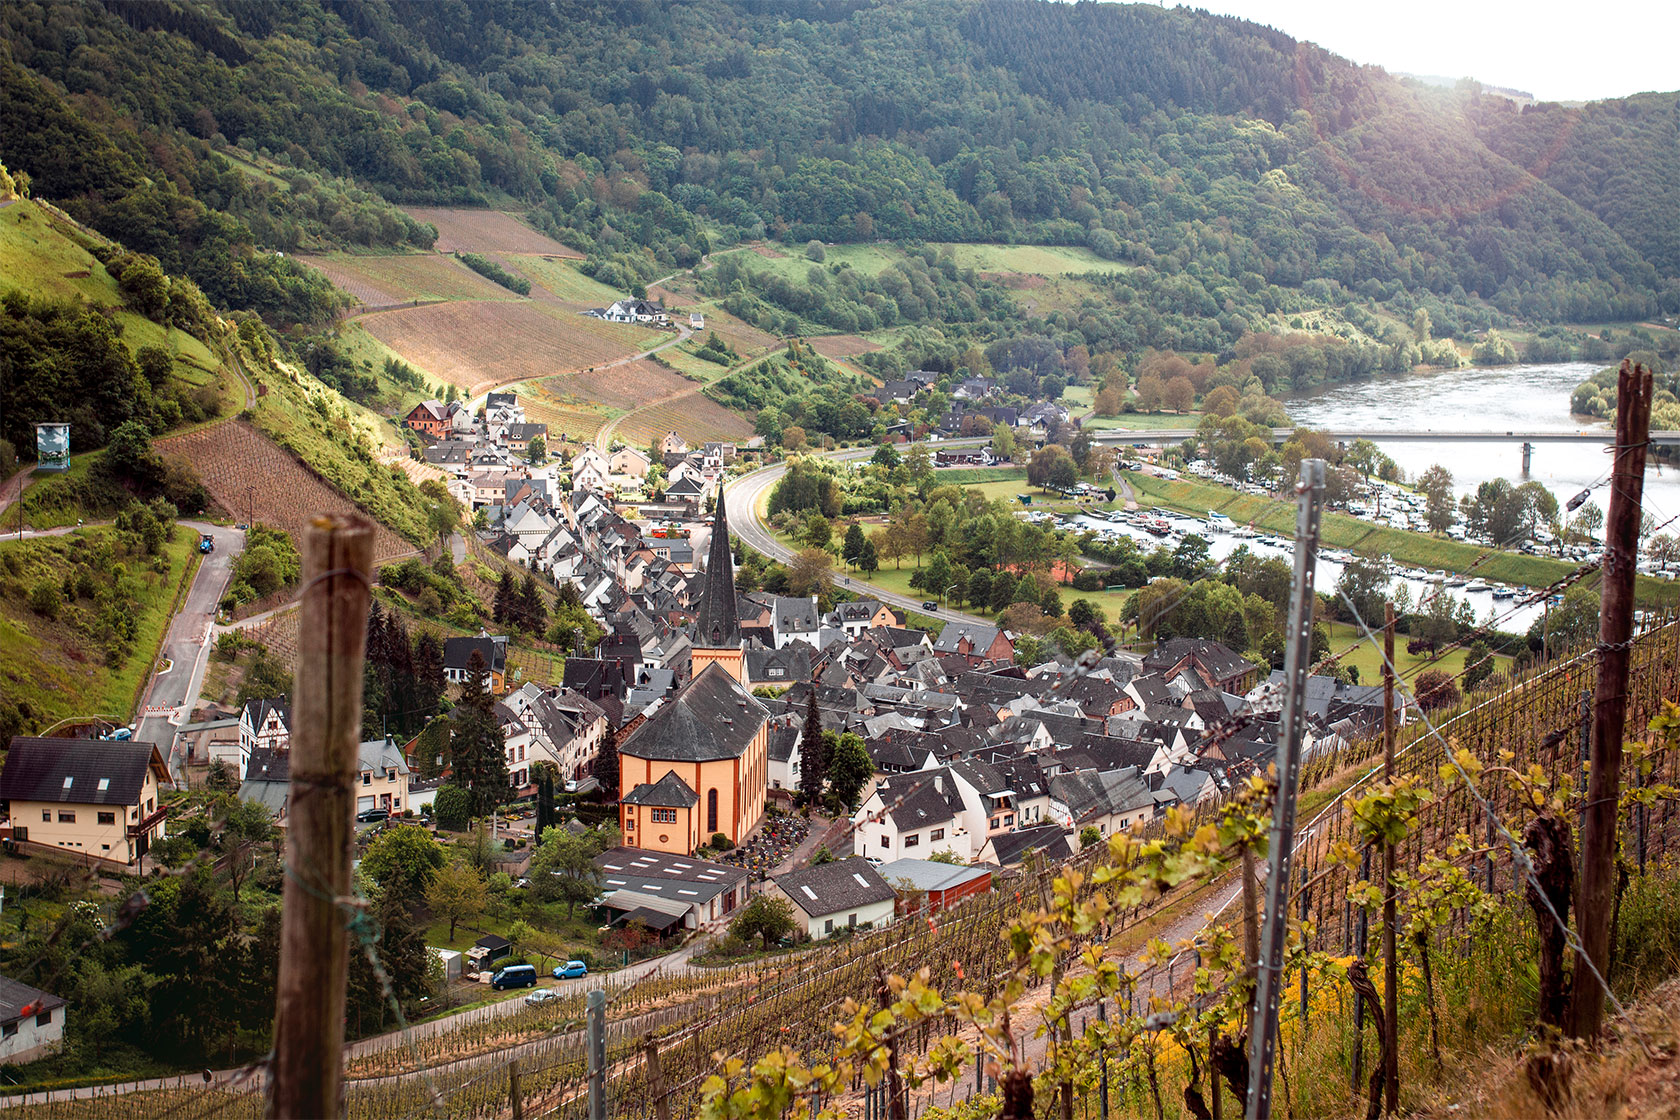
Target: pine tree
x: 606, y: 765
x: 545, y: 799
x: 852, y: 549
x: 429, y: 681
x: 504, y: 602
x: 479, y: 757
x: 813, y: 753
x: 533, y: 615
x: 475, y: 690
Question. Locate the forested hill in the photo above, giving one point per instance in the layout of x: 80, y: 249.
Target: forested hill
x: 1187, y: 143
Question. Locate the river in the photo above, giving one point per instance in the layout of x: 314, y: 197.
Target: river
x: 1509, y: 398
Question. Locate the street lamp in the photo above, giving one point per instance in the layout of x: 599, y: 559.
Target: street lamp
x: 944, y: 593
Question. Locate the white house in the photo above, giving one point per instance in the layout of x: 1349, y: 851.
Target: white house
x: 265, y: 724
x: 844, y: 894
x: 31, y: 1022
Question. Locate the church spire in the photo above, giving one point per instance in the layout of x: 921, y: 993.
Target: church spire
x: 717, y: 626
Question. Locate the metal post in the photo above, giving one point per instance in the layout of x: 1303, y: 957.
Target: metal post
x: 597, y: 1044
x: 1102, y: 1061
x: 1390, y: 923
x: 1310, y: 492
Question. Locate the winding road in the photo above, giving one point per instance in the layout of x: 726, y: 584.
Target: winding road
x: 743, y: 501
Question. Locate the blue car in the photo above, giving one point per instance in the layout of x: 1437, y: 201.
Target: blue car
x: 571, y: 970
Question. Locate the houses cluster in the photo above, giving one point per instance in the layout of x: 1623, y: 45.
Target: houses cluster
x: 485, y: 456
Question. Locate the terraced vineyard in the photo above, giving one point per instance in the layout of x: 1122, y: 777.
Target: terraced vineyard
x: 478, y: 344
x: 621, y: 386
x: 255, y: 480
x: 486, y: 231
x: 696, y: 417
x: 399, y: 278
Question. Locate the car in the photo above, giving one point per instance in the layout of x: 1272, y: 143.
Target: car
x: 514, y: 976
x: 873, y: 861
x: 571, y: 785
x: 541, y: 996
x: 571, y: 970
x: 930, y: 605
x: 369, y: 815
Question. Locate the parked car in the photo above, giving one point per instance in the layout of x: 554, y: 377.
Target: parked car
x: 515, y: 976
x: 367, y: 815
x: 542, y: 995
x: 571, y: 970
x: 571, y: 785
x: 930, y: 605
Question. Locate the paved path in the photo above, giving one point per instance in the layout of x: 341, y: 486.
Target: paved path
x: 173, y: 692
x: 12, y: 490
x: 743, y: 496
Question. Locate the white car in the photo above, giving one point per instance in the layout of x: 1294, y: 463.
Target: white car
x: 542, y: 996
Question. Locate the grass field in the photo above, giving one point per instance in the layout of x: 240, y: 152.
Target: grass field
x: 969, y: 476
x: 1041, y: 260
x: 481, y: 343
x: 51, y: 663
x: 1145, y: 422
x: 562, y: 280
x: 1367, y: 658
x: 868, y: 259
x: 486, y: 231
x: 400, y: 277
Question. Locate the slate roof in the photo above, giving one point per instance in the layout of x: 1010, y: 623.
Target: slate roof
x: 258, y: 711
x: 15, y: 996
x: 1010, y: 847
x: 830, y: 888
x: 858, y: 610
x: 794, y: 662
x: 457, y: 653
x: 980, y: 636
x: 711, y: 717
x: 677, y: 878
x: 71, y: 771
x: 667, y: 791
x: 1211, y: 656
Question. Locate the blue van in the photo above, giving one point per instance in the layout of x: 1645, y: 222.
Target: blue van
x: 515, y: 976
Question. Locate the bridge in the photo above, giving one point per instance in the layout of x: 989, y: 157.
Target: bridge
x: 1412, y: 435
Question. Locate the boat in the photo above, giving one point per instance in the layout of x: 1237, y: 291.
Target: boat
x: 1476, y: 587
x: 1219, y: 523
x: 1503, y: 592
x: 1456, y: 581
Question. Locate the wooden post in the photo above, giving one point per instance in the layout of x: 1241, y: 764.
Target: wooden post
x: 1391, y: 979
x: 655, y: 1078
x: 1615, y: 626
x: 515, y: 1104
x: 306, y: 1077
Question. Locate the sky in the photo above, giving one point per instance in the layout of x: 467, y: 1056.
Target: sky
x: 1554, y: 50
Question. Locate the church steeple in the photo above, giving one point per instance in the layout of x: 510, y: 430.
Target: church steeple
x: 717, y: 625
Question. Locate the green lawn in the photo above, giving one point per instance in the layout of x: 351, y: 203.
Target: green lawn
x: 562, y: 277
x: 868, y: 259
x: 1040, y: 260
x: 57, y: 665
x: 1367, y: 657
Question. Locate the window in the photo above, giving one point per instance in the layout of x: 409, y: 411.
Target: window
x: 666, y: 816
x: 886, y: 841
x: 367, y: 777
x: 912, y: 840
x: 46, y: 816
x: 1008, y: 820
x: 107, y: 818
x: 629, y: 824
x: 67, y: 816
x: 828, y: 926
x: 936, y: 834
x: 43, y: 1018
x: 711, y: 811
x: 8, y: 1030
x: 851, y: 921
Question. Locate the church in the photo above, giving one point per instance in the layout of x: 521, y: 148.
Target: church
x: 699, y: 764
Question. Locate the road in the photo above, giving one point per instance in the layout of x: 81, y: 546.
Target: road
x: 743, y: 498
x: 170, y: 698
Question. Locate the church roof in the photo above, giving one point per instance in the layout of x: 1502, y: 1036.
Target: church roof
x: 716, y: 625
x: 710, y: 718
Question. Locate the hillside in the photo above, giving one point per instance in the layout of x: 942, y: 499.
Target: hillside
x: 1222, y: 154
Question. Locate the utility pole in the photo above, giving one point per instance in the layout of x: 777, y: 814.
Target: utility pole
x: 1391, y: 979
x: 1310, y: 495
x: 1615, y: 627
x: 307, y: 1070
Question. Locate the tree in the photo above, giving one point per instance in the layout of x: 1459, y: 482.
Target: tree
x: 536, y: 451
x: 813, y: 753
x: 1436, y: 486
x: 1179, y: 394
x: 222, y: 777
x: 810, y: 573
x: 767, y: 917
x: 605, y: 767
x: 452, y: 808
x: 849, y: 770
x: 1051, y: 602
x: 544, y: 773
x: 817, y: 530
x: 502, y: 605
x: 456, y: 894
x: 852, y: 548
x: 1089, y: 835
x: 1435, y: 689
x: 479, y: 756
x: 1364, y: 585
x: 1064, y: 475
x: 245, y: 824
x: 563, y: 866
x: 1587, y: 522
x: 1043, y: 461
x: 868, y: 560
x: 532, y: 611
x: 1003, y: 441
x: 1478, y: 664
x: 403, y: 859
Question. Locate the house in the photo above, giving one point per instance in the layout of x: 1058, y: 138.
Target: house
x: 794, y: 619
x: 492, y: 649
x: 854, y: 617
x: 31, y: 1022
x: 97, y: 798
x: 487, y: 950
x: 673, y: 444
x: 931, y: 886
x: 264, y: 724
x: 666, y: 892
x: 381, y: 777
x: 1214, y: 664
x: 430, y: 418
x: 518, y: 437
x: 842, y: 894
x: 1011, y: 849
x: 696, y: 766
x: 627, y: 460
x: 776, y: 668
x: 913, y: 813
x: 974, y: 643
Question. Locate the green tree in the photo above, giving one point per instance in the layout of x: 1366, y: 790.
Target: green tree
x: 852, y: 549
x: 813, y: 752
x: 478, y: 753
x: 403, y: 858
x: 767, y: 917
x: 536, y: 452
x: 452, y: 807
x: 456, y: 894
x: 868, y: 560
x: 245, y: 824
x: 563, y: 866
x: 1436, y: 486
x: 849, y: 770
x: 605, y: 767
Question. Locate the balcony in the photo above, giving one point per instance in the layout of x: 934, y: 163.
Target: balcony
x: 147, y: 823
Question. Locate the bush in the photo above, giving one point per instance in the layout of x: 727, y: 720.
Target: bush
x: 721, y: 843
x: 46, y: 599
x: 452, y: 807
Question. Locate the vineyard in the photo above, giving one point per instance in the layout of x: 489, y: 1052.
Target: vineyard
x: 254, y: 480
x: 622, y: 386
x: 466, y: 1069
x: 843, y: 345
x: 561, y: 279
x: 486, y: 231
x: 476, y: 344
x: 378, y: 281
x: 695, y: 416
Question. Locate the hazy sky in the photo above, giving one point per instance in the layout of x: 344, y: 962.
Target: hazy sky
x: 1556, y: 51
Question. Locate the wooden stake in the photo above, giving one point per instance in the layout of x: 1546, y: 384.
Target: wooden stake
x: 306, y: 1077
x: 655, y: 1078
x: 1391, y: 979
x: 1615, y: 627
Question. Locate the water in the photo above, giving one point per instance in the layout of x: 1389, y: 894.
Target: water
x: 1512, y: 398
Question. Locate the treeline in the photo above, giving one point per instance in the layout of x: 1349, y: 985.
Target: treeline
x: 797, y: 390
x: 495, y: 273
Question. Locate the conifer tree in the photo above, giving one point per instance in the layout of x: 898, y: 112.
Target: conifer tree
x: 813, y: 753
x: 606, y: 765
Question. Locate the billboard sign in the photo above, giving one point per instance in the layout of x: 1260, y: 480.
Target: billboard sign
x: 52, y: 447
